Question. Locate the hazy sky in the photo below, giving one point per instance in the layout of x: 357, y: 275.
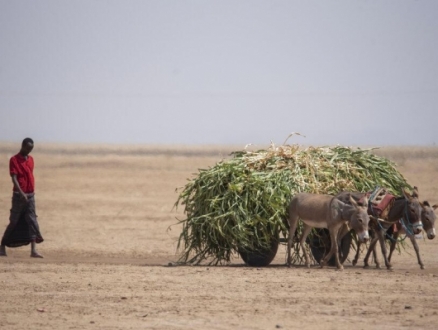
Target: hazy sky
x: 219, y: 72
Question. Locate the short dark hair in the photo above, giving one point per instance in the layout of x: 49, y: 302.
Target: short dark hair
x: 26, y: 141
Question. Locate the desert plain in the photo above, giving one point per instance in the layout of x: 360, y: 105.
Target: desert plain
x: 107, y: 215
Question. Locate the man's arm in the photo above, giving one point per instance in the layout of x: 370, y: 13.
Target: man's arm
x: 17, y: 186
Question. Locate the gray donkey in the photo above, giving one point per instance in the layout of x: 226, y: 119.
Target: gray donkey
x: 407, y: 206
x: 428, y: 218
x: 325, y: 211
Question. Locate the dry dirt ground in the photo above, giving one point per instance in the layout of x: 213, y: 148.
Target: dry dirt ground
x: 104, y: 212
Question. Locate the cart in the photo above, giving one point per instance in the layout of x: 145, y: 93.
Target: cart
x: 319, y: 247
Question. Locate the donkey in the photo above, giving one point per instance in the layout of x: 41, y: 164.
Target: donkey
x: 325, y: 211
x: 407, y: 207
x: 428, y: 218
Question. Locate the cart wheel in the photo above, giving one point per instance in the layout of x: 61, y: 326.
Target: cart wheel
x: 320, y: 246
x: 260, y: 258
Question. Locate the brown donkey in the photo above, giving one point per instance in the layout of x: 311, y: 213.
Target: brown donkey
x: 407, y: 207
x: 325, y: 211
x: 428, y: 218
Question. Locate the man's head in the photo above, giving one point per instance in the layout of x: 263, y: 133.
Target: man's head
x: 26, y: 146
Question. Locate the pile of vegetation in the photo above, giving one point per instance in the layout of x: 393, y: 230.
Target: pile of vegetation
x: 240, y: 204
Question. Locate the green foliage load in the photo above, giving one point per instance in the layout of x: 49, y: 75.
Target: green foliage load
x: 241, y: 202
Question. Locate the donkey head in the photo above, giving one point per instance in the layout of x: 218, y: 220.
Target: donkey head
x: 428, y: 218
x: 413, y: 210
x: 359, y: 219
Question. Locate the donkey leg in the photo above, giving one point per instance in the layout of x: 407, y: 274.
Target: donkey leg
x: 293, y: 222
x: 376, y: 257
x: 333, y: 249
x: 393, y: 244
x: 417, y: 250
x: 370, y: 249
x: 356, y: 257
x: 335, y: 241
x: 306, y: 231
x: 381, y: 235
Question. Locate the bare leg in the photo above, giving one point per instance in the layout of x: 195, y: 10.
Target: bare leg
x: 33, y: 251
x: 13, y: 220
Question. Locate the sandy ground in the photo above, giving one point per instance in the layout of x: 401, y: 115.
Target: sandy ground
x: 105, y: 213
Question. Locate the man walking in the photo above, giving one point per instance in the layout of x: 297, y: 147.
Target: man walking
x: 23, y: 225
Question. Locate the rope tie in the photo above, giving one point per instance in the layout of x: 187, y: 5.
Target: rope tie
x: 407, y: 227
x: 390, y: 237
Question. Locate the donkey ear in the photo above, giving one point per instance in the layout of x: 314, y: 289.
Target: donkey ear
x: 365, y: 201
x: 406, y: 194
x: 435, y: 207
x: 415, y: 192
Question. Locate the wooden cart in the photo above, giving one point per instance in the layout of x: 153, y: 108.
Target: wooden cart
x: 319, y: 246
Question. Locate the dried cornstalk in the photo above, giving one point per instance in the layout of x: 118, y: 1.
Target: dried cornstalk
x: 241, y: 203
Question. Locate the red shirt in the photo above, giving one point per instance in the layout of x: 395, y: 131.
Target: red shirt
x: 23, y: 169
